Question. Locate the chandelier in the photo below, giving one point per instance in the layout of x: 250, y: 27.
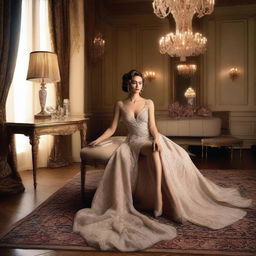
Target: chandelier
x: 183, y: 42
x: 186, y: 69
x: 162, y: 8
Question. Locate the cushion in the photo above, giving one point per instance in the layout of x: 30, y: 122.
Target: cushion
x: 101, y: 153
x: 221, y: 141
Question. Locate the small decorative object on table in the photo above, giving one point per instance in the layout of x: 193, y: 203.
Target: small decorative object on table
x: 57, y: 113
x: 66, y: 107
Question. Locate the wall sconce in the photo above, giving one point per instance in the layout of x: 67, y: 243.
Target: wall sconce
x: 97, y: 48
x: 234, y: 73
x: 149, y: 75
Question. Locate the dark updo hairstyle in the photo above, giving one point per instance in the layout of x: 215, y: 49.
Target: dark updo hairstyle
x: 127, y: 77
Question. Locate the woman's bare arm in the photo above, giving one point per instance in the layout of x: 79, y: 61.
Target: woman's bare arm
x: 111, y: 130
x: 152, y: 126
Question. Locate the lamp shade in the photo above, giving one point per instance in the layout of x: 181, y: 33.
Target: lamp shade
x: 43, y: 67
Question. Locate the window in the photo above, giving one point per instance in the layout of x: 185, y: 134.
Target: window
x: 23, y: 102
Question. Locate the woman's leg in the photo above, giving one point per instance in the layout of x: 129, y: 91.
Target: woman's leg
x: 154, y: 160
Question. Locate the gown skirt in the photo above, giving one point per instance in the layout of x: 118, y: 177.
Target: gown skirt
x: 113, y: 222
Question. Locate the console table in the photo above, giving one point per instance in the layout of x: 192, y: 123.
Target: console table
x: 190, y: 126
x: 34, y: 128
x: 187, y: 131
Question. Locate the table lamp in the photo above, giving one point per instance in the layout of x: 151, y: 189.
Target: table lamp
x: 43, y: 68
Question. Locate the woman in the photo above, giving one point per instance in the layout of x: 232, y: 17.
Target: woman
x: 112, y: 222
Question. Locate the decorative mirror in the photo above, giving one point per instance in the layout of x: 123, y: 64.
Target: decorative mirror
x: 186, y: 81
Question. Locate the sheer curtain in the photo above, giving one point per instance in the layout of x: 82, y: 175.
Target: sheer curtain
x: 23, y: 101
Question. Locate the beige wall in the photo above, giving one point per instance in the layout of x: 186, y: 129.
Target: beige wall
x: 231, y: 34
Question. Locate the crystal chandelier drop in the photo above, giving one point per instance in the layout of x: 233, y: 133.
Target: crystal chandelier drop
x: 183, y: 42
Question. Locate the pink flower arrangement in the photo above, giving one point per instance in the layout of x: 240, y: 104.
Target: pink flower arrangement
x: 176, y: 110
x: 204, y: 111
x: 189, y: 111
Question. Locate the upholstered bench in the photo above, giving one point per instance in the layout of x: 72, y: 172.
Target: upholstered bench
x: 222, y: 141
x: 99, y: 154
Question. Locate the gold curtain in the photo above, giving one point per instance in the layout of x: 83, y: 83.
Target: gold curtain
x: 59, y: 22
x: 74, y: 26
x: 10, y: 20
x: 89, y: 20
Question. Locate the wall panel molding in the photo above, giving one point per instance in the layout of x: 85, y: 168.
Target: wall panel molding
x: 232, y: 51
x: 243, y: 126
x: 150, y: 59
x: 231, y: 34
x: 220, y: 93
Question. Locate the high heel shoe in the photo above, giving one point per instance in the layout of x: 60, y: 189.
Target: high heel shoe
x: 158, y: 213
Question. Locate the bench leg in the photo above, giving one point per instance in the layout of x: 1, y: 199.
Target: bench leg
x: 83, y: 173
x: 202, y: 155
x: 231, y: 153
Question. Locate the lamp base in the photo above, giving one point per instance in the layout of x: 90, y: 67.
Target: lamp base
x: 42, y: 115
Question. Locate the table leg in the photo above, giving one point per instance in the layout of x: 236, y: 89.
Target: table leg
x: 34, y: 141
x: 13, y: 156
x: 83, y: 134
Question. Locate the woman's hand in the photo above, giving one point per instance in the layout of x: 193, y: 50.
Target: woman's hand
x: 156, y: 145
x: 93, y: 143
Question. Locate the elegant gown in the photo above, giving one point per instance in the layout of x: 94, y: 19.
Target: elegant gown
x: 113, y: 222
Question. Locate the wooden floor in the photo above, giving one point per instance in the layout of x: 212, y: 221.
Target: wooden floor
x: 14, y: 208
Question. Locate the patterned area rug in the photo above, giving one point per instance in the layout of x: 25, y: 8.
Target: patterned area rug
x: 50, y: 225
